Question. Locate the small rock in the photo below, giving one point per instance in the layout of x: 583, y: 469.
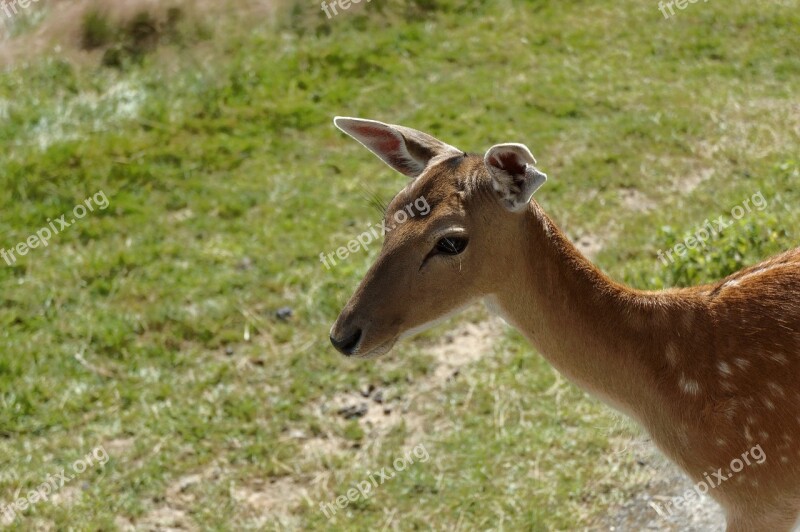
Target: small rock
x: 284, y: 313
x: 366, y: 392
x: 354, y: 411
x: 378, y: 397
x: 229, y: 351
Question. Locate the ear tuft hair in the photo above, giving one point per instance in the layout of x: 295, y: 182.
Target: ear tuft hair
x: 514, y: 175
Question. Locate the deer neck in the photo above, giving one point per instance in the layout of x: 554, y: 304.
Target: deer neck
x: 598, y: 333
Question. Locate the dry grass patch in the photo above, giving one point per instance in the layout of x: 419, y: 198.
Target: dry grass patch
x: 86, y: 31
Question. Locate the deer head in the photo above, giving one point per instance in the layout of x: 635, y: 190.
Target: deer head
x: 435, y: 263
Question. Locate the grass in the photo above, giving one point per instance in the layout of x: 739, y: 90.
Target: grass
x: 150, y: 327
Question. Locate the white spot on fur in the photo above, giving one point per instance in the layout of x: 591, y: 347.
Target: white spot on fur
x: 780, y: 358
x: 777, y: 389
x: 725, y: 369
x: 689, y: 385
x: 672, y: 354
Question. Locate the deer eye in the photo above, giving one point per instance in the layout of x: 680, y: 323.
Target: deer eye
x: 451, y: 245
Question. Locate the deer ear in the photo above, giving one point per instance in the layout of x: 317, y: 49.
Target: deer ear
x: 406, y: 150
x: 513, y: 174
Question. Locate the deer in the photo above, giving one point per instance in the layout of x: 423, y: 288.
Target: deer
x: 709, y: 372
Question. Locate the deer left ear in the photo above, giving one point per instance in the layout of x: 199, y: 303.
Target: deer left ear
x: 514, y: 176
x: 406, y: 150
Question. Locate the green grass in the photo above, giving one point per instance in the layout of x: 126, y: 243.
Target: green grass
x: 150, y: 327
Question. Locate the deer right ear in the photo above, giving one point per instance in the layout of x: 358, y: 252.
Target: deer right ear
x: 406, y: 150
x: 514, y: 176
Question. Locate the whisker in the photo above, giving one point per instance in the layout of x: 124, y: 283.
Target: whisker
x: 374, y: 200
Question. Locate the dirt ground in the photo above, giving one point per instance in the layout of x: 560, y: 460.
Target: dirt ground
x: 465, y: 345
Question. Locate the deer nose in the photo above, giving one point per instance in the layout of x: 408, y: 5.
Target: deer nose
x: 347, y: 343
